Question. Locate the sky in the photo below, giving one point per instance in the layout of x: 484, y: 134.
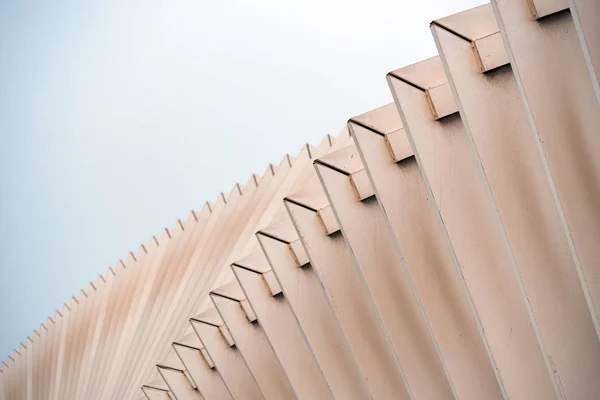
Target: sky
x: 119, y: 117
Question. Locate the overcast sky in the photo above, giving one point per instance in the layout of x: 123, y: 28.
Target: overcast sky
x: 118, y: 117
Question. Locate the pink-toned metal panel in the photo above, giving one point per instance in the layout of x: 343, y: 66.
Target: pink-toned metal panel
x: 585, y: 16
x: 281, y: 328
x: 365, y: 231
x: 307, y: 299
x: 451, y: 169
x: 57, y: 340
x: 252, y: 343
x: 439, y: 292
x: 207, y: 219
x: 221, y: 210
x: 503, y: 143
x: 151, y: 292
x: 2, y: 392
x: 477, y: 237
x: 100, y: 301
x: 160, y: 287
x: 329, y: 256
x: 564, y: 113
x: 178, y: 384
x: 228, y: 360
x: 103, y: 344
x: 208, y: 381
x: 72, y: 337
x: 505, y: 150
x: 415, y: 226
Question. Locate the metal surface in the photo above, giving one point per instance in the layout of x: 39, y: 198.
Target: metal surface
x: 441, y: 246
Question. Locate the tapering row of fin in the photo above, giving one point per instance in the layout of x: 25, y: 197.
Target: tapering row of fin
x: 446, y: 245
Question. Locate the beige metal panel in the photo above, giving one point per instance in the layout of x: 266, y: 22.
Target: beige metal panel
x: 503, y: 143
x: 214, y: 254
x: 585, y: 16
x: 21, y: 372
x: 53, y: 355
x: 452, y: 171
x: 39, y: 351
x: 205, y: 221
x: 103, y: 291
x: 7, y: 378
x: 123, y: 299
x: 36, y: 364
x: 150, y: 299
x: 86, y: 328
x: 208, y: 381
x: 106, y: 337
x: 472, y: 226
x: 27, y: 358
x: 2, y: 392
x: 42, y: 354
x: 427, y: 273
x: 201, y: 219
x: 20, y: 377
x: 96, y: 348
x: 252, y: 343
x: 178, y: 384
x: 306, y: 297
x: 10, y: 378
x: 80, y: 321
x: 373, y: 252
x: 227, y: 359
x: 48, y: 334
x: 31, y: 342
x: 73, y: 339
x: 280, y: 326
x: 72, y: 335
x: 564, y: 114
x: 109, y: 333
x: 60, y: 320
x: 33, y: 376
x: 39, y: 338
x: 330, y: 258
x: 157, y: 279
x: 132, y: 378
x: 146, y: 268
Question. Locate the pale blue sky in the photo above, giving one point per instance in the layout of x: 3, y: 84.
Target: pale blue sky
x: 118, y: 117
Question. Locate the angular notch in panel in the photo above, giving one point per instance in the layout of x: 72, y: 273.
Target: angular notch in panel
x: 328, y: 220
x: 250, y: 316
x: 398, y: 145
x: 441, y: 101
x: 543, y: 8
x: 226, y: 335
x: 490, y: 52
x: 361, y: 185
x: 299, y: 253
x: 207, y: 358
x: 272, y: 283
